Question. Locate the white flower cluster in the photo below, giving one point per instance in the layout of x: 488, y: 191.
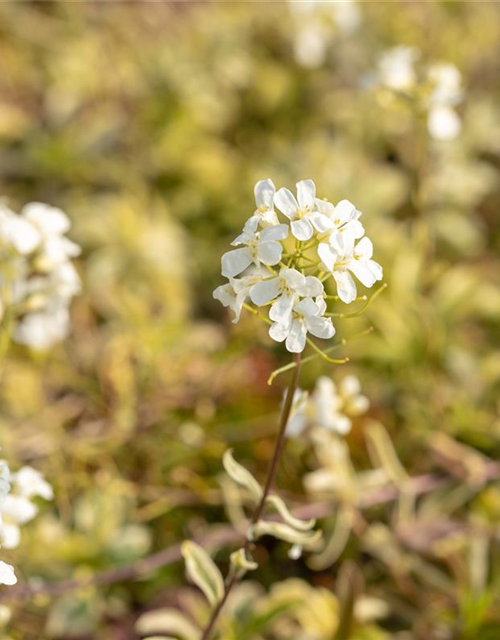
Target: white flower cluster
x: 328, y: 407
x: 37, y: 279
x: 316, y: 24
x: 398, y: 70
x: 17, y: 508
x: 285, y: 265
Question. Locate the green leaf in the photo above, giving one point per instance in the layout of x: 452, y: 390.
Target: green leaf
x: 201, y: 570
x: 282, y: 509
x: 284, y: 532
x: 241, y: 476
x: 167, y: 621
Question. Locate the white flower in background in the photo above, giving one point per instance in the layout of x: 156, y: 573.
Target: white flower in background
x: 443, y: 122
x: 264, y: 215
x: 306, y: 316
x: 17, y: 508
x: 261, y: 247
x: 396, y: 68
x: 18, y: 232
x: 328, y: 407
x: 285, y: 289
x: 7, y: 575
x: 302, y: 211
x: 342, y: 258
x: 316, y: 27
x: 37, y: 279
x: 52, y: 224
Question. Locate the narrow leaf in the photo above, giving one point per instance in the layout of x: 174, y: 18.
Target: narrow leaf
x: 201, y: 570
x: 284, y: 532
x: 240, y: 561
x: 241, y: 475
x: 282, y: 509
x: 167, y: 621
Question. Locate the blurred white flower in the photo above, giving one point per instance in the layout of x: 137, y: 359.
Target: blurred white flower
x: 443, y: 123
x: 37, y: 279
x: 328, y: 407
x: 396, y: 68
x: 7, y: 575
x: 235, y: 293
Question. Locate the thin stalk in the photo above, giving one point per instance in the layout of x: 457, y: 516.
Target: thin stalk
x: 234, y: 577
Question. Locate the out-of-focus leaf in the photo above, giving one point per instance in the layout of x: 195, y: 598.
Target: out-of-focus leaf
x: 167, y: 621
x: 241, y: 475
x: 201, y: 569
x: 280, y: 506
x: 240, y: 561
x: 286, y: 533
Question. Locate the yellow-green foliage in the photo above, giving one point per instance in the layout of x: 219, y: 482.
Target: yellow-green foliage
x: 149, y: 123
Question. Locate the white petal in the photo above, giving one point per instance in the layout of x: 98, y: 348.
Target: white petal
x: 325, y: 207
x: 224, y: 294
x: 302, y: 229
x: 327, y: 255
x: 279, y: 331
x: 234, y: 262
x: 11, y: 535
x: 50, y: 220
x: 364, y: 249
x: 293, y: 278
x: 321, y: 304
x: 251, y: 226
x: 363, y: 272
x: 307, y: 307
x: 296, y: 425
x: 320, y: 327
x: 264, y: 193
x: 265, y: 291
x: 296, y: 340
x: 269, y: 252
x: 313, y: 287
x: 245, y: 236
x: 281, y: 310
x: 278, y: 232
x: 321, y: 222
x: 7, y: 575
x: 286, y: 202
x: 344, y: 211
x: 346, y: 287
x: 443, y: 123
x: 23, y: 234
x: 350, y: 386
x: 306, y: 194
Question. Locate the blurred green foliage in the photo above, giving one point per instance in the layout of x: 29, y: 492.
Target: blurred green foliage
x: 149, y: 123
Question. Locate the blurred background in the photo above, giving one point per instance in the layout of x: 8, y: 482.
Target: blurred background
x: 149, y: 123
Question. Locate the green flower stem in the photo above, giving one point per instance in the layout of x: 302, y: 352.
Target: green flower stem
x: 234, y: 576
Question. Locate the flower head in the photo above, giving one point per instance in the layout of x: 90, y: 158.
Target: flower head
x: 302, y: 211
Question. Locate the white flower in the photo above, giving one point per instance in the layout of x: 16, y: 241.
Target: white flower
x: 285, y: 289
x: 42, y: 329
x: 306, y: 316
x: 443, y: 123
x: 341, y: 257
x: 265, y: 214
x: 4, y: 479
x: 52, y: 224
x: 262, y: 247
x: 29, y: 482
x: 235, y: 293
x: 327, y: 407
x: 396, y: 68
x: 447, y: 83
x: 344, y: 218
x: 7, y: 575
x: 302, y: 211
x: 17, y: 231
x: 353, y: 402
